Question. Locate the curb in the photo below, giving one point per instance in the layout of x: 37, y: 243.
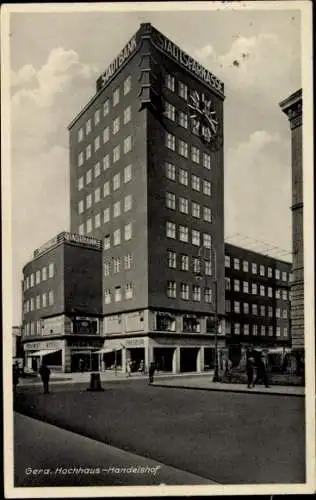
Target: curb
x: 251, y: 391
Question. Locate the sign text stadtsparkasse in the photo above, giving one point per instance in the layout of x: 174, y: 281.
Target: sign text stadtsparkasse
x: 119, y: 60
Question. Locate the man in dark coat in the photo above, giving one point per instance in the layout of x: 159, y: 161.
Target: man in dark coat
x: 261, y: 371
x: 151, y: 372
x: 250, y: 369
x: 44, y: 372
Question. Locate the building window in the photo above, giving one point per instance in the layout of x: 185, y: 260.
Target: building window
x: 172, y: 259
x: 97, y: 220
x: 107, y: 296
x: 183, y: 148
x: 89, y: 201
x: 236, y: 264
x: 184, y: 263
x: 207, y: 188
x: 80, y: 159
x: 117, y: 237
x: 284, y: 313
x: 245, y: 266
x: 88, y: 152
x: 44, y: 273
x: 183, y: 119
x: 97, y: 117
x: 88, y: 176
x: 207, y: 214
x: 38, y: 301
x: 116, y: 96
x: 278, y: 331
x: 262, y: 270
x: 227, y: 284
x: 184, y: 291
x: 208, y: 267
x: 284, y: 294
x: 270, y: 312
x: 270, y: 272
x: 81, y: 229
x: 170, y: 230
x: 262, y: 310
x: 277, y: 274
x: 38, y: 277
x: 228, y: 327
x: 170, y: 82
x: 106, y: 135
x: 207, y: 240
x: 128, y: 231
x: 118, y: 294
x: 170, y: 141
x: 170, y: 171
x: 80, y: 134
x: 227, y: 261
x: 116, y: 181
x: 88, y: 126
x: 106, y: 107
x: 80, y: 207
x: 170, y: 200
x: 170, y: 111
x: 97, y: 170
x: 196, y: 265
x: 254, y: 329
x: 262, y: 291
x: 32, y: 304
x: 116, y: 265
x: 207, y: 295
x: 206, y: 161
x: 89, y: 225
x: 183, y: 90
x: 127, y: 114
x: 196, y: 209
x: 278, y: 312
x: 254, y: 268
x: 117, y: 209
x: 44, y: 300
x: 269, y: 291
x: 196, y: 293
x: 116, y: 153
x: 128, y: 291
x: 246, y: 329
x: 183, y: 205
x: 195, y: 182
x: 237, y: 328
x: 195, y: 154
x: 32, y: 280
x: 128, y: 261
x: 106, y: 215
x: 183, y: 177
x: 127, y: 84
x: 285, y: 331
x: 106, y: 269
x: 254, y: 309
x: 183, y: 234
x: 51, y: 270
x: 236, y: 286
x: 51, y: 297
x: 254, y: 290
x: 284, y: 275
x: 227, y: 306
x: 116, y: 125
x: 196, y: 237
x: 127, y: 203
x: 246, y: 308
x: 97, y: 143
x: 107, y: 242
x: 80, y: 183
x: 236, y: 307
x: 263, y: 330
x: 127, y: 144
x: 106, y: 162
x: 277, y: 293
x: 171, y: 289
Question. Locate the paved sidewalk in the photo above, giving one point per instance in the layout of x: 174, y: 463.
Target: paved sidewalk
x: 206, y: 383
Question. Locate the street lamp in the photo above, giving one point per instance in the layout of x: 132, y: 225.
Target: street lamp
x: 216, y: 319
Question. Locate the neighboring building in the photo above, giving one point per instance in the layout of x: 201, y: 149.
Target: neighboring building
x: 62, y: 303
x: 17, y: 349
x: 257, y: 300
x: 293, y: 108
x: 147, y: 178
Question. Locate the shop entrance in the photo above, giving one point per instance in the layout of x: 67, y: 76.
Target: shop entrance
x: 163, y: 358
x: 84, y: 361
x: 135, y: 356
x: 188, y: 359
x: 110, y: 359
x: 209, y: 358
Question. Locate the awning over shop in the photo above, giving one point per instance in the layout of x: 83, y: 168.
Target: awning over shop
x: 104, y: 351
x: 43, y: 352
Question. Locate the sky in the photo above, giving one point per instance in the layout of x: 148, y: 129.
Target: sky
x: 55, y: 60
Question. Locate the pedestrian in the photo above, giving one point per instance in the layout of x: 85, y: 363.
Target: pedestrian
x: 15, y: 376
x: 81, y: 365
x: 261, y: 372
x: 229, y: 367
x: 151, y: 372
x: 141, y: 368
x: 129, y: 368
x: 250, y: 370
x: 44, y: 372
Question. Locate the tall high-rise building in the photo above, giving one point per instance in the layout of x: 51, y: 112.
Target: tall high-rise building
x: 146, y: 178
x: 292, y: 107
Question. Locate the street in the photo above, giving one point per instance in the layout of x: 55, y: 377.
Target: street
x: 230, y: 438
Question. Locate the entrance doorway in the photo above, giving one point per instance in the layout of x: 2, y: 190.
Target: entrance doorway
x: 163, y: 358
x: 188, y: 359
x: 135, y: 356
x: 209, y: 358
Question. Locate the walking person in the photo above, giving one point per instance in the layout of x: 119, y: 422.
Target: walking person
x: 141, y: 368
x: 250, y: 370
x: 129, y: 368
x: 44, y: 372
x: 261, y: 372
x: 151, y: 372
x: 81, y: 365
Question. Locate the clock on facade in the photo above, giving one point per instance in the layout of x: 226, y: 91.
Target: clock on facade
x: 203, y: 117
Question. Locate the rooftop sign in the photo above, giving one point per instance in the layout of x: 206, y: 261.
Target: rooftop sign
x: 71, y: 237
x: 129, y: 48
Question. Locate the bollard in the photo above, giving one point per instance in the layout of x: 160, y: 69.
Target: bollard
x: 95, y: 382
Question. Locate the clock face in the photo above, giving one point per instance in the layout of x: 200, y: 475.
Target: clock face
x: 203, y: 117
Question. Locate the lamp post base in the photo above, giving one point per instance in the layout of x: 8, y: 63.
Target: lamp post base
x: 216, y: 375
